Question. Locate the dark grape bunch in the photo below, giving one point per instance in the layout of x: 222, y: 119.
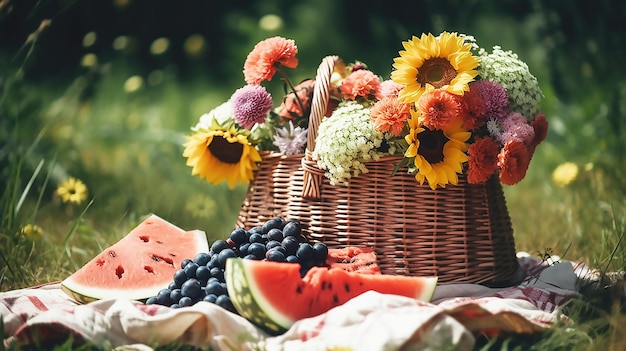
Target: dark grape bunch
x: 202, y: 278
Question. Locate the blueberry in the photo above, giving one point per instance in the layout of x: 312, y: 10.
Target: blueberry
x: 172, y: 286
x: 175, y: 295
x: 210, y: 298
x: 290, y: 244
x: 152, y: 300
x: 215, y: 288
x: 292, y: 259
x: 250, y: 257
x: 257, y: 250
x: 185, y: 301
x: 271, y: 244
x: 271, y: 224
x: 292, y: 228
x: 190, y: 269
x: 192, y: 289
x: 180, y: 277
x: 256, y: 238
x: 320, y: 253
x: 223, y: 256
x: 225, y: 302
x: 275, y: 255
x: 257, y: 230
x: 163, y: 297
x: 202, y: 258
x: 243, y: 249
x: 305, y: 252
x: 218, y: 246
x: 238, y: 236
x: 174, y: 306
x: 217, y: 273
x: 185, y: 262
x: 203, y: 273
x: 275, y: 234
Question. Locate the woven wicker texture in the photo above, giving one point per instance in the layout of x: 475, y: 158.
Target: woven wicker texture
x: 462, y: 234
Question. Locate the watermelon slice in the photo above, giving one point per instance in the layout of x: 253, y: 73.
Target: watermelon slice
x: 354, y: 259
x: 274, y: 296
x: 137, y: 266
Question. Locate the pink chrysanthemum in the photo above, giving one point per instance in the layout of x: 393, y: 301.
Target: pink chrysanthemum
x: 261, y: 62
x: 482, y: 160
x: 513, y: 161
x: 362, y: 83
x: 516, y: 127
x: 494, y: 95
x: 390, y: 88
x: 439, y: 108
x: 250, y: 105
x: 389, y: 115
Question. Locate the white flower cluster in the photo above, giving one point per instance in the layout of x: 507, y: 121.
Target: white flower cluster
x: 506, y: 69
x: 345, y: 141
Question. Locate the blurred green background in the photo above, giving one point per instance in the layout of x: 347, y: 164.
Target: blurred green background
x: 106, y: 90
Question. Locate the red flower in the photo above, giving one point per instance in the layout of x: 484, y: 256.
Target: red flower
x: 439, y: 108
x: 482, y: 160
x: 361, y: 83
x: 389, y: 115
x: 290, y: 108
x: 473, y: 110
x: 513, y: 161
x: 540, y: 125
x: 261, y: 62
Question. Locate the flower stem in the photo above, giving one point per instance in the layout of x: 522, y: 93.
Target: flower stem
x: 286, y: 79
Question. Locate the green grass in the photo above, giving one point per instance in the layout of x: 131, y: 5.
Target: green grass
x: 127, y: 148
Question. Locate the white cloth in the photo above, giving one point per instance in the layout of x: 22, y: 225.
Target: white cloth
x: 371, y: 321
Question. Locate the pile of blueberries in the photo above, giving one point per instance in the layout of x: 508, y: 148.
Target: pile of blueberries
x: 202, y: 278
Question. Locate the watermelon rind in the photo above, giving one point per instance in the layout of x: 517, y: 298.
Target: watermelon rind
x: 251, y: 304
x: 84, y: 292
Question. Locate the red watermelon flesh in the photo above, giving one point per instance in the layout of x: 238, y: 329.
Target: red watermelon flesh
x: 353, y: 259
x: 137, y: 266
x: 274, y: 296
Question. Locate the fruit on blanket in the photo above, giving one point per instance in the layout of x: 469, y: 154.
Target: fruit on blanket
x: 137, y: 266
x: 274, y: 295
x: 354, y: 259
x: 202, y: 278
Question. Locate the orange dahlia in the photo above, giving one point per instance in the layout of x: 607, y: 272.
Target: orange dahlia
x: 262, y: 61
x: 439, y: 109
x: 389, y: 115
x: 482, y: 159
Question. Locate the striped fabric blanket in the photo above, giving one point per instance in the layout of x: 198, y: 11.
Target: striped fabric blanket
x: 455, y: 317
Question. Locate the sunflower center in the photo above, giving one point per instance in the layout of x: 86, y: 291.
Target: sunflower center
x: 437, y: 72
x: 225, y: 151
x: 431, y: 145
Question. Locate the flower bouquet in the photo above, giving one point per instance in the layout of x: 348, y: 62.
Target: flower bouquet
x: 411, y: 165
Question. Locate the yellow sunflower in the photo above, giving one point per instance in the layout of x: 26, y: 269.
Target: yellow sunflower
x: 221, y: 153
x: 430, y: 62
x: 438, y: 154
x: 72, y: 190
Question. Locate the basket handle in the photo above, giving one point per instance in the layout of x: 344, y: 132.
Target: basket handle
x: 313, y: 176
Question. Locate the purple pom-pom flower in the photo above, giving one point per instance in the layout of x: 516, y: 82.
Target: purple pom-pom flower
x: 495, y: 97
x: 250, y: 105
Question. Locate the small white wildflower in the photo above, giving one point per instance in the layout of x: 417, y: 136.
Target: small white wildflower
x: 221, y: 114
x: 290, y: 140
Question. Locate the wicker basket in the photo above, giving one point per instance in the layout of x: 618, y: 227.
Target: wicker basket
x: 462, y: 233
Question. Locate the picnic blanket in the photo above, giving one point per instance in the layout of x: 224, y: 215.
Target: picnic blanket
x: 455, y: 316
